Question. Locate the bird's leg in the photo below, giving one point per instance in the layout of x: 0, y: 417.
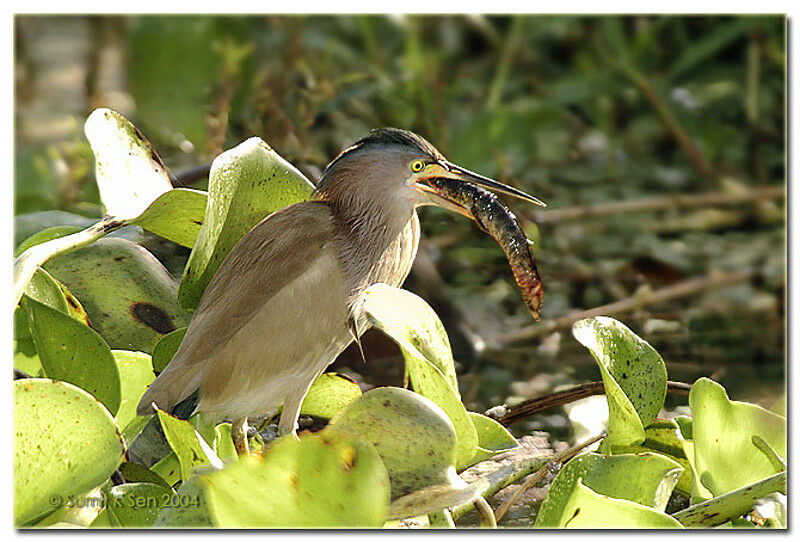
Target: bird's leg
x: 291, y: 409
x: 239, y: 436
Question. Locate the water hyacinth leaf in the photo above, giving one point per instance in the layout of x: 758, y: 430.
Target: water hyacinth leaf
x: 223, y: 443
x: 329, y: 394
x: 725, y: 457
x: 166, y: 347
x: 634, y: 377
x: 130, y: 298
x: 45, y: 289
x: 647, y: 479
x: 137, y: 505
x: 662, y: 436
x: 322, y: 480
x: 246, y: 184
x: 493, y: 438
x: 381, y: 305
x: 194, y: 515
x: 169, y: 468
x: 405, y: 316
x: 416, y: 441
x: 71, y: 352
x: 176, y: 215
x: 587, y: 509
x: 129, y: 173
x: 29, y: 224
x: 190, y: 448
x: 65, y: 443
x: 135, y: 375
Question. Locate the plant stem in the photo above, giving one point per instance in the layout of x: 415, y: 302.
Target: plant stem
x: 26, y: 264
x: 507, y: 415
x: 720, y: 509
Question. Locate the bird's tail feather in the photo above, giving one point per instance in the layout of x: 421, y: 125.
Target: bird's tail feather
x: 170, y: 388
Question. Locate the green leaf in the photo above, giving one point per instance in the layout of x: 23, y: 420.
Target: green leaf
x: 176, y: 215
x: 29, y: 224
x: 136, y: 472
x: 393, y: 310
x: 246, y: 184
x: 730, y: 505
x: 65, y: 443
x: 130, y: 297
x: 322, y: 480
x: 44, y: 289
x: 136, y: 505
x: 71, y: 352
x: 169, y: 468
x: 416, y: 441
x: 493, y: 438
x: 129, y: 173
x: 587, y: 509
x: 189, y: 447
x: 166, y: 347
x: 634, y: 377
x: 725, y: 457
x: 647, y: 479
x: 135, y: 375
x: 329, y: 394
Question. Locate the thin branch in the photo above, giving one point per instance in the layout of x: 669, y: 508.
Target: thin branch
x: 658, y: 203
x: 507, y: 415
x: 686, y: 288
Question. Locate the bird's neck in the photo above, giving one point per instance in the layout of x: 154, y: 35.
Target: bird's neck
x: 375, y: 248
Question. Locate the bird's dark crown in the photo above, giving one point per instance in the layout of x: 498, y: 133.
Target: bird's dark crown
x: 390, y: 136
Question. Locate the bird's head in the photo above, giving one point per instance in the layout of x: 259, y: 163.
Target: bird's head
x: 390, y: 170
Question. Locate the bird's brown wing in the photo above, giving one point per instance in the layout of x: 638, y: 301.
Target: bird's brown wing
x: 280, y: 248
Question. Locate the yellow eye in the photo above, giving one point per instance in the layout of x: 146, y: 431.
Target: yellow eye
x: 417, y: 166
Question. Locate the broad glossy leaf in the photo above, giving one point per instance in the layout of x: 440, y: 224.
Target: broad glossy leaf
x: 323, y: 480
x: 416, y: 442
x: 137, y: 505
x: 135, y: 375
x: 169, y: 468
x: 647, y: 479
x: 725, y: 456
x: 45, y: 235
x: 634, y: 377
x: 166, y: 347
x: 29, y: 224
x: 190, y: 448
x: 329, y: 394
x: 176, y: 215
x: 129, y: 173
x: 493, y: 438
x: 246, y: 184
x: 587, y: 509
x: 130, y: 297
x: 65, y: 443
x: 136, y: 472
x: 71, y: 352
x: 384, y: 306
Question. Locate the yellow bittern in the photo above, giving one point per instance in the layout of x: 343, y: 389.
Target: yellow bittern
x: 287, y: 300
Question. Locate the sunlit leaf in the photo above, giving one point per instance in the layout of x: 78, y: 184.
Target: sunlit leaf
x: 634, y: 377
x: 135, y: 375
x: 322, y: 480
x: 246, y: 184
x: 129, y: 173
x: 329, y: 394
x: 136, y: 505
x: 176, y: 215
x: 65, y: 443
x: 647, y: 479
x: 493, y: 438
x: 725, y: 456
x: 166, y: 347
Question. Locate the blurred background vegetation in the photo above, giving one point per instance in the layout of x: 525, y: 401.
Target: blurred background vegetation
x: 658, y: 143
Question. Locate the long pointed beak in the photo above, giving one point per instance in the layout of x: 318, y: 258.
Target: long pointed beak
x: 460, y: 173
x: 447, y: 170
